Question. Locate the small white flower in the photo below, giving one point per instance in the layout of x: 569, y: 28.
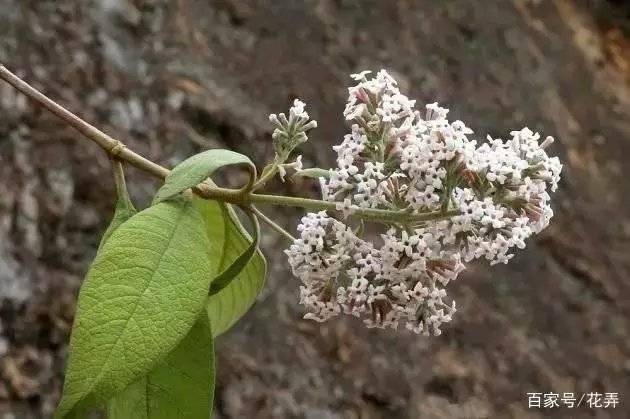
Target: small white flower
x: 298, y: 111
x: 346, y: 207
x: 296, y: 166
x: 360, y: 76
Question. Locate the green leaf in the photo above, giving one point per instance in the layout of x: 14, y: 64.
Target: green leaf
x: 225, y: 277
x: 198, y: 168
x: 180, y: 386
x: 230, y: 240
x: 142, y: 294
x: 313, y: 172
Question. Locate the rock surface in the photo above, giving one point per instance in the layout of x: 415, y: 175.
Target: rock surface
x: 172, y: 78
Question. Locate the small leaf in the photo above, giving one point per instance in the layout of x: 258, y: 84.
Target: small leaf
x: 142, y: 294
x: 313, y: 172
x: 230, y: 240
x: 198, y: 168
x: 225, y: 277
x: 180, y: 386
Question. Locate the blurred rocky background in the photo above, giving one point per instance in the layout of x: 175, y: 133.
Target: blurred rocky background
x: 172, y: 78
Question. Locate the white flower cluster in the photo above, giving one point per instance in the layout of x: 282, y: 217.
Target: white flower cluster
x: 480, y: 201
x: 398, y: 282
x: 290, y: 133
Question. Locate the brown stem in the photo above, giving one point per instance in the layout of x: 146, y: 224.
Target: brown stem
x: 113, y: 147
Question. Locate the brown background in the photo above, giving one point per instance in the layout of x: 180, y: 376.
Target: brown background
x: 175, y: 77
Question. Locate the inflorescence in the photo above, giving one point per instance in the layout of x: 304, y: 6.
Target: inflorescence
x: 400, y: 159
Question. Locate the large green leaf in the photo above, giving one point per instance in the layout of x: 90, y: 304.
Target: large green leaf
x: 142, y: 294
x: 180, y: 386
x: 198, y: 168
x: 229, y: 241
